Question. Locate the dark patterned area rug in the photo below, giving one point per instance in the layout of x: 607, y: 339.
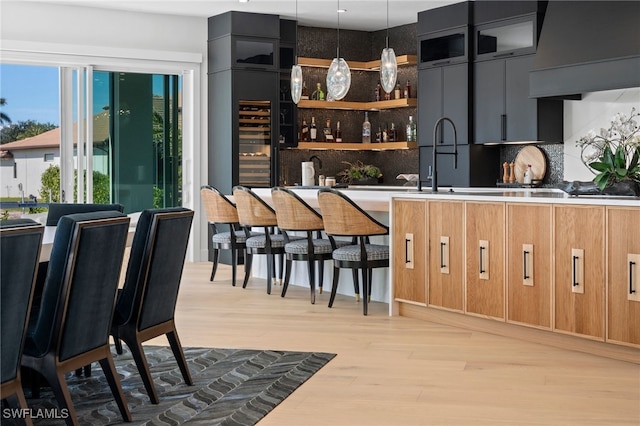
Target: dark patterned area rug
x: 231, y: 387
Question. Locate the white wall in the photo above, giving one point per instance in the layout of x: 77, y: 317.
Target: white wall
x: 30, y: 166
x: 594, y: 111
x: 43, y: 28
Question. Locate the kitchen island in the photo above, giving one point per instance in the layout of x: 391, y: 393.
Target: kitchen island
x: 376, y: 203
x: 536, y: 263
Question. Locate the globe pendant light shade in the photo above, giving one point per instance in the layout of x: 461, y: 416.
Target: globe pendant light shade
x: 338, y: 79
x: 388, y: 69
x: 296, y: 83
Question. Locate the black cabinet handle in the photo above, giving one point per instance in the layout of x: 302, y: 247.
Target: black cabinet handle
x: 482, y: 271
x: 406, y: 250
x: 631, y: 264
x: 575, y: 259
x: 435, y: 64
x: 503, y: 55
x: 442, y: 265
x: 503, y: 124
x: 524, y: 264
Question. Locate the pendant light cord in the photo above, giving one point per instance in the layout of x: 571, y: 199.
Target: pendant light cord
x: 338, y: 47
x: 296, y: 56
x: 387, y: 24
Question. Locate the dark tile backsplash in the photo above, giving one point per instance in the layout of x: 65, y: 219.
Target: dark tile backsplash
x: 363, y: 46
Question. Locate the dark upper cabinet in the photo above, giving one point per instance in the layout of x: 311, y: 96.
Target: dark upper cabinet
x: 506, y: 38
x: 444, y: 91
x: 444, y: 48
x: 242, y: 40
x: 445, y: 17
x: 503, y: 110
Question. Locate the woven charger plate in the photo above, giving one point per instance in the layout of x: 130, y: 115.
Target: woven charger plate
x: 534, y: 156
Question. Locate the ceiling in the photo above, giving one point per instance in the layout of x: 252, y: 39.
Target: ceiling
x: 364, y: 15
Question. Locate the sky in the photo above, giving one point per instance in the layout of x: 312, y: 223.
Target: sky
x: 31, y: 93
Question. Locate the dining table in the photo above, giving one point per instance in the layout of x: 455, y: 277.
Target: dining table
x: 50, y: 233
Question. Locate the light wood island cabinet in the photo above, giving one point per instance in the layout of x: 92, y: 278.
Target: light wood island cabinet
x: 485, y: 259
x: 446, y: 255
x: 529, y: 267
x: 409, y: 235
x: 623, y: 260
x: 554, y: 269
x: 579, y: 247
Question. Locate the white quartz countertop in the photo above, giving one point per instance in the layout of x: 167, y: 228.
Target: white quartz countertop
x: 372, y: 201
x: 534, y: 195
x: 376, y: 198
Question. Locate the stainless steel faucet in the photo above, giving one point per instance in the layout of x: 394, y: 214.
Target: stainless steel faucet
x: 434, y: 177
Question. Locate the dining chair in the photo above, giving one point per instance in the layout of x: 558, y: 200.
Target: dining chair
x: 20, y: 242
x: 254, y: 212
x: 342, y: 217
x: 295, y: 215
x: 146, y: 305
x: 222, y: 214
x: 72, y: 326
x: 57, y: 210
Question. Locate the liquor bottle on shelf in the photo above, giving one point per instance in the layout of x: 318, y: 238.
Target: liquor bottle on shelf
x: 407, y: 90
x: 338, y: 132
x: 385, y: 134
x: 379, y: 134
x: 366, y: 129
x: 393, y: 133
x: 318, y: 94
x: 328, y: 133
x: 378, y: 92
x: 396, y: 92
x: 304, y: 131
x: 411, y: 130
x: 313, y: 131
x: 387, y: 96
x: 305, y: 91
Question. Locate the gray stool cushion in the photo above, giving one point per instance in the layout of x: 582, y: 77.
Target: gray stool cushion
x: 352, y: 252
x: 225, y: 237
x: 320, y: 246
x: 260, y: 241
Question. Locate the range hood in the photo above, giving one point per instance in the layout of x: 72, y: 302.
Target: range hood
x: 587, y: 46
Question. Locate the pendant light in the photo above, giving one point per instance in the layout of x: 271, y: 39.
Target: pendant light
x: 296, y: 71
x: 339, y: 74
x: 388, y: 64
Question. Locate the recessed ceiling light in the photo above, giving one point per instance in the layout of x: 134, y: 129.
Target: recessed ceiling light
x: 342, y: 10
x: 243, y: 1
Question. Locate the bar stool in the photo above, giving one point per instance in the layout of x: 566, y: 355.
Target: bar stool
x: 221, y: 212
x: 254, y: 212
x: 342, y: 217
x: 295, y: 215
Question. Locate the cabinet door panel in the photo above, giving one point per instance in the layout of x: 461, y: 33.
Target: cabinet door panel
x: 446, y: 254
x: 444, y: 91
x: 529, y: 300
x: 623, y: 238
x: 409, y: 250
x: 485, y: 268
x: 430, y: 97
x: 579, y: 228
x: 521, y: 110
x: 489, y: 101
x: 456, y: 102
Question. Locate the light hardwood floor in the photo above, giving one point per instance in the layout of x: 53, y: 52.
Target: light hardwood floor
x: 402, y: 371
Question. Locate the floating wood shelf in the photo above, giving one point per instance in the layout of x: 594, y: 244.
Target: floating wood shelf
x: 349, y: 146
x: 357, y: 65
x: 363, y: 106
